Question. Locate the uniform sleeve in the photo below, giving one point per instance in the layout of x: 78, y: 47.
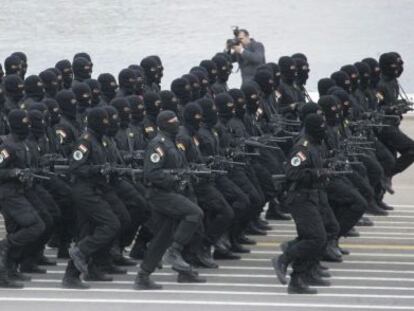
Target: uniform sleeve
x: 78, y: 160
x: 6, y: 159
x: 65, y: 139
x: 300, y: 168
x: 154, y: 161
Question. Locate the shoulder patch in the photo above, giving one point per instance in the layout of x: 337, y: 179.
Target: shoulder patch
x: 61, y: 133
x: 149, y: 129
x: 301, y: 155
x: 305, y: 143
x: 5, y: 154
x: 295, y: 161
x: 196, y: 142
x: 78, y: 155
x: 155, y: 157
x: 83, y: 148
x: 159, y: 151
x: 181, y: 146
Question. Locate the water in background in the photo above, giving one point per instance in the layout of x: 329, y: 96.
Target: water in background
x: 121, y: 32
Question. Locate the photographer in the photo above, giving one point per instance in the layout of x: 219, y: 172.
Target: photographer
x: 247, y: 52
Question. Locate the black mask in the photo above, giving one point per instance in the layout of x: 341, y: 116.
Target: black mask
x: 364, y: 75
x: 14, y: 87
x: 302, y: 71
x: 345, y: 102
x: 23, y: 63
x: 160, y: 68
x: 98, y: 121
x: 342, y: 80
x: 50, y: 82
x: 54, y: 110
x: 195, y: 85
x: 67, y: 103
x: 65, y: 68
x: 95, y: 87
x: 209, y: 112
x: 389, y: 65
x: 265, y: 80
x: 324, y: 85
x: 375, y: 70
x: 83, y: 96
x: 307, y: 109
x: 211, y: 69
x: 127, y: 81
x: 182, y: 89
x: 150, y: 66
x: 315, y: 127
x: 288, y: 69
x: 124, y: 111
x: 329, y: 107
x: 225, y: 106
x: 37, y: 123
x: 192, y: 117
x: 108, y: 85
x: 251, y: 93
x: 167, y: 122
x: 152, y: 103
x: 223, y: 70
x: 33, y: 87
x: 202, y: 77
x: 113, y: 118
x: 169, y: 101
x: 137, y: 108
x: 239, y: 102
x: 82, y: 68
x: 353, y: 74
x: 19, y: 123
x: 13, y: 65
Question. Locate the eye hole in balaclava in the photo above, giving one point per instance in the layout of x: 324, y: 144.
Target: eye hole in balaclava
x: 265, y: 80
x: 239, y: 102
x: 211, y: 69
x: 209, y: 112
x: 195, y: 85
x: 136, y: 105
x: 192, y: 117
x: 95, y: 87
x: 182, y: 89
x: 152, y: 104
x: 288, y: 69
x: 342, y: 80
x: 67, y: 103
x: 353, y: 74
x: 33, y: 87
x: 124, y: 110
x: 82, y: 68
x: 50, y: 82
x: 169, y: 101
x: 83, y: 96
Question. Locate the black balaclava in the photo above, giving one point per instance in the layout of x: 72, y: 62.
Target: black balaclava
x: 202, y: 77
x: 37, y: 123
x: 83, y: 96
x: 288, y: 69
x: 33, y: 87
x: 169, y: 101
x: 307, y: 109
x: 400, y: 64
x: 59, y: 76
x: 182, y: 89
x: 315, y: 127
x: 65, y: 67
x: 239, y: 102
x: 329, y: 107
x: 265, y: 80
x: 54, y: 110
x: 192, y: 116
x: 124, y: 111
x: 209, y: 112
x: 353, y: 74
x: 195, y: 85
x: 41, y: 106
x: 364, y: 74
x: 140, y: 75
x: 127, y: 81
x: 150, y: 66
x: 168, y: 123
x: 375, y: 70
x: 346, y: 103
x: 82, y: 68
x: 160, y: 68
x: 225, y: 106
x: 137, y: 108
x: 251, y: 93
x: 113, y: 118
x: 95, y: 87
x: 389, y: 65
x: 23, y: 63
x: 13, y: 65
x: 342, y: 80
x: 276, y: 73
x: 86, y: 56
x: 98, y: 121
x: 14, y: 87
x: 50, y: 82
x: 67, y: 103
x: 300, y: 56
x: 324, y: 85
x: 211, y: 69
x: 19, y: 123
x: 223, y: 69
x: 152, y: 104
x: 108, y: 85
x: 303, y: 71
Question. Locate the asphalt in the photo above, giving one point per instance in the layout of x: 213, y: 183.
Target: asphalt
x: 378, y: 275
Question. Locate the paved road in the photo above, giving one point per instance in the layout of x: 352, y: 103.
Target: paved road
x: 378, y: 275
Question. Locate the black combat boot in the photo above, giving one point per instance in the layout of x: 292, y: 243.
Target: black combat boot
x: 144, y: 282
x: 96, y: 274
x: 174, y: 258
x: 190, y: 277
x: 280, y: 265
x: 298, y: 286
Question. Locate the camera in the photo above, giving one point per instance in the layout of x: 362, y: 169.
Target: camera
x: 230, y: 43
